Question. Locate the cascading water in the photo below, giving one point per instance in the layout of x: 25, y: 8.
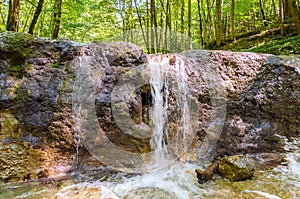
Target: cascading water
x: 159, y: 133
x: 168, y: 76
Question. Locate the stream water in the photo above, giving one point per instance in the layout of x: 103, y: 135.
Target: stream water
x: 176, y: 181
x: 171, y: 178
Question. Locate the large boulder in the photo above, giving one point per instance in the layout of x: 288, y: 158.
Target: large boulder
x: 261, y: 97
x: 38, y: 79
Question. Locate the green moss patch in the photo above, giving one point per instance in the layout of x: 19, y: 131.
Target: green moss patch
x: 287, y: 46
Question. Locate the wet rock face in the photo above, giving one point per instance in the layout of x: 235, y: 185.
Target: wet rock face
x: 37, y: 78
x: 260, y: 99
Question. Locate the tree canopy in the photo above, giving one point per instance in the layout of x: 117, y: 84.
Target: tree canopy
x: 156, y: 24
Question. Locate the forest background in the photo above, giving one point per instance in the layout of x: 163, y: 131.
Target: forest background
x: 162, y: 25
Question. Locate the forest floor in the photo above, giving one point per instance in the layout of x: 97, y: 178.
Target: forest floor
x: 266, y: 41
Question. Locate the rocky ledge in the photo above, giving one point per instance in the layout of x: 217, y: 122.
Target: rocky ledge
x: 37, y: 127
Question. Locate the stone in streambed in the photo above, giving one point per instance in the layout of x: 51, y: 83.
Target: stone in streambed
x: 236, y: 168
x: 204, y: 176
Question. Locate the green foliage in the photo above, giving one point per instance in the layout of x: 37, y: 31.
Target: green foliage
x: 111, y: 20
x: 55, y: 65
x: 282, y: 47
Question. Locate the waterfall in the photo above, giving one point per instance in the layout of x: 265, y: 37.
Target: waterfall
x: 159, y: 114
x: 168, y: 76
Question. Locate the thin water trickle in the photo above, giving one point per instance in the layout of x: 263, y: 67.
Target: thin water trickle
x: 77, y: 139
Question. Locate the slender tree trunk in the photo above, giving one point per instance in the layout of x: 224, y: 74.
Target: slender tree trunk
x: 190, y: 24
x: 286, y: 9
x: 205, y: 26
x: 41, y: 24
x: 152, y: 25
x: 124, y: 28
x: 200, y: 23
x: 130, y: 22
x: 182, y: 25
x: 27, y: 17
x: 13, y: 15
x: 1, y: 15
x: 281, y: 14
x: 262, y: 13
x: 274, y: 8
x: 295, y: 15
x: 147, y: 26
x: 172, y: 43
x: 224, y: 28
x: 175, y: 36
x: 218, y: 23
x: 155, y: 27
x: 36, y: 15
x: 57, y: 18
x: 167, y: 27
x: 210, y: 23
x: 232, y: 20
x: 141, y: 24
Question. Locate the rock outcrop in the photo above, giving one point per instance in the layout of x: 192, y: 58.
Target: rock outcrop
x: 37, y: 78
x: 262, y: 99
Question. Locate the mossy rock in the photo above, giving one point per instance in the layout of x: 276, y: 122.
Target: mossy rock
x: 8, y: 125
x: 236, y: 168
x: 20, y: 161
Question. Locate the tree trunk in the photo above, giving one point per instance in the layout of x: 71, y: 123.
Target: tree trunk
x: 36, y: 15
x: 1, y: 15
x: 27, y: 15
x: 141, y: 24
x: 57, y: 17
x: 295, y: 15
x: 286, y: 8
x: 172, y: 43
x: 281, y: 14
x: 13, y: 15
x: 218, y: 23
x: 200, y: 23
x: 232, y: 20
x: 274, y: 8
x: 204, y: 24
x: 175, y: 36
x: 41, y: 25
x: 167, y: 28
x: 210, y: 23
x: 262, y: 13
x: 190, y: 24
x: 147, y: 26
x: 182, y: 25
x: 152, y: 22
